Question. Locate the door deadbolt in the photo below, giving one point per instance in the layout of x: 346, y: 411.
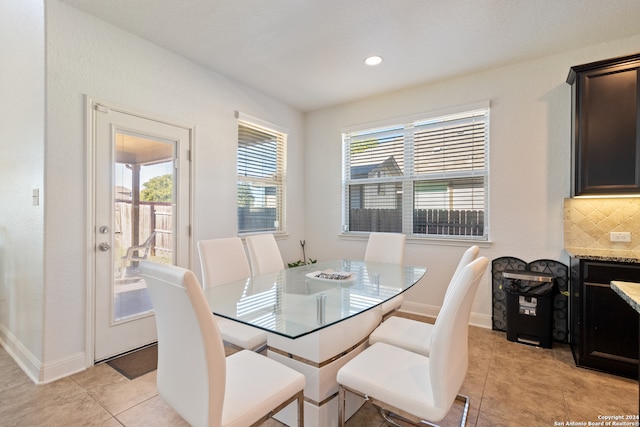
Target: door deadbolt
x: 103, y: 229
x: 104, y: 246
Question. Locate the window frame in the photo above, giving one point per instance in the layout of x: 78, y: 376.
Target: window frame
x: 410, y: 178
x: 277, y: 180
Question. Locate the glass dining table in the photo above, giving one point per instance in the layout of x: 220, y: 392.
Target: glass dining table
x: 317, y: 317
x: 298, y: 301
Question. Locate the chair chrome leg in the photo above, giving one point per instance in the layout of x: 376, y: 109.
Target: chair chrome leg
x: 388, y: 415
x: 388, y: 412
x: 465, y: 412
x: 301, y: 409
x: 341, y: 402
x: 261, y: 348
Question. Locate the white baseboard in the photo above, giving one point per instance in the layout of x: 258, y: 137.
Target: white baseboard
x: 38, y: 372
x: 63, y: 368
x: 476, y: 319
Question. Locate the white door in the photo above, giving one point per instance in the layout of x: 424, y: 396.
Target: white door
x: 142, y: 211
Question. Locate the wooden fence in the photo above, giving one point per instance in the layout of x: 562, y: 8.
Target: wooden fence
x: 448, y: 222
x: 425, y: 221
x: 381, y: 220
x: 153, y: 216
x: 256, y: 219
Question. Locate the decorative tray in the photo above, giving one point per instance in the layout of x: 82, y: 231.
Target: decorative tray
x: 332, y: 276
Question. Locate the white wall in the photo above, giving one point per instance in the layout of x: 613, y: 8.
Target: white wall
x: 89, y: 56
x: 529, y: 166
x: 21, y: 170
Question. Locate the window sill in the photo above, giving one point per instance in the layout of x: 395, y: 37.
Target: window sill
x: 277, y: 234
x: 425, y: 240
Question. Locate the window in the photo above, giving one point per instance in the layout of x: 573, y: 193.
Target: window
x: 261, y: 177
x: 424, y: 177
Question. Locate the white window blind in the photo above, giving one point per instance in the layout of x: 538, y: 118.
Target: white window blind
x: 424, y: 177
x: 261, y: 178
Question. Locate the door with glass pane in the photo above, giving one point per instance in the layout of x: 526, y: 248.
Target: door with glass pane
x: 141, y: 213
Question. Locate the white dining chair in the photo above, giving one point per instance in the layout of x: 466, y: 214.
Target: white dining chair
x: 222, y: 261
x: 264, y: 254
x: 385, y: 247
x: 194, y: 377
x: 412, y: 334
x: 389, y: 248
x: 411, y: 386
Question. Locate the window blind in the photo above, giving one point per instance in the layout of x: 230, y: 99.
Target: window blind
x: 423, y: 177
x: 261, y: 178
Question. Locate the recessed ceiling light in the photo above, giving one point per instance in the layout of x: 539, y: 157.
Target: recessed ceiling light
x: 373, y: 60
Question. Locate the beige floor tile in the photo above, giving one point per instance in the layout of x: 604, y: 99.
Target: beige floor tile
x: 489, y: 420
x: 523, y: 408
x: 473, y: 387
x: 118, y: 396
x: 152, y: 412
x: 83, y: 411
x: 523, y: 386
x: 61, y: 403
x: 111, y: 422
x: 100, y: 375
x: 589, y: 394
x: 12, y: 376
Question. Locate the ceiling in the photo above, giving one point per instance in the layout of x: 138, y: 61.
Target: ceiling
x: 309, y: 53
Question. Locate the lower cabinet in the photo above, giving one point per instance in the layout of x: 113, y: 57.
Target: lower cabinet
x: 604, y: 333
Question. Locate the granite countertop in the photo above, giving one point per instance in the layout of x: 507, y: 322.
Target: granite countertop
x: 604, y: 254
x: 629, y: 291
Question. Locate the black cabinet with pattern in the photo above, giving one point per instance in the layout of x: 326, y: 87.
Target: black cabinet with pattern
x: 604, y: 332
x: 605, y: 127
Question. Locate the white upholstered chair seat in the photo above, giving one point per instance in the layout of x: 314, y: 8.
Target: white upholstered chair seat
x: 240, y: 335
x: 407, y: 386
x: 263, y: 392
x: 409, y: 334
x: 393, y: 304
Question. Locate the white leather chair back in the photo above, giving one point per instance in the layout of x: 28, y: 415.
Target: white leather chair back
x: 468, y: 256
x: 449, y: 354
x: 190, y: 351
x: 223, y: 260
x: 264, y: 254
x: 385, y: 247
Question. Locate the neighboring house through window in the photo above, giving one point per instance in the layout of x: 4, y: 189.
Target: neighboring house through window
x: 261, y: 176
x: 422, y: 177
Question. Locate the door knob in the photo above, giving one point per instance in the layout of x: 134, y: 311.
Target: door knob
x: 104, y: 246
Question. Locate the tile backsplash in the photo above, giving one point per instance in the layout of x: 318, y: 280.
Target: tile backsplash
x: 588, y: 222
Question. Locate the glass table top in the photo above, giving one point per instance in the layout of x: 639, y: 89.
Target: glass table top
x: 297, y: 301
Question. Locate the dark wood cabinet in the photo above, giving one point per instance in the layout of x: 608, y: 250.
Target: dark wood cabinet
x: 604, y: 333
x: 605, y: 127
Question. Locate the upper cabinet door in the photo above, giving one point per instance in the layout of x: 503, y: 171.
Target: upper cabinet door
x: 605, y: 123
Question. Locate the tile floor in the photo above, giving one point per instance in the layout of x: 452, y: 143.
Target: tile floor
x: 509, y: 384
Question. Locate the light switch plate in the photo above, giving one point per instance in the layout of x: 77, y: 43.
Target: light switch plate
x: 620, y: 236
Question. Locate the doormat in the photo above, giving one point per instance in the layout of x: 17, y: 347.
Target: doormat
x: 137, y: 363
